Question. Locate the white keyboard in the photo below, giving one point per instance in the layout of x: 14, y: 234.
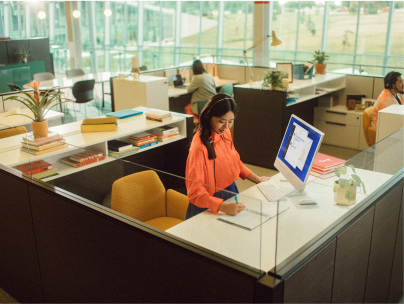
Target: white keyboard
x: 271, y: 191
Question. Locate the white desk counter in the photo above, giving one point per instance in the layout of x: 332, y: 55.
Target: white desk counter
x: 19, y: 120
x: 296, y: 226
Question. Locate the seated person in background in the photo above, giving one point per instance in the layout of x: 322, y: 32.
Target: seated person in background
x: 214, y: 161
x: 393, y: 87
x: 202, y: 86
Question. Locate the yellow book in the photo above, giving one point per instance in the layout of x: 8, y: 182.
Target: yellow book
x: 98, y: 128
x: 96, y: 121
x: 25, y: 149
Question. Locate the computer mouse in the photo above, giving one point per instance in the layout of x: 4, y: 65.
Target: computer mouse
x: 306, y: 202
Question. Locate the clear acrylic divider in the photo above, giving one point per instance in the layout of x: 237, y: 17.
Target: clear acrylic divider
x: 300, y: 226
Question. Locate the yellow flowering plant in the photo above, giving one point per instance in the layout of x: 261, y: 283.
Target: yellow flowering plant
x: 39, y: 102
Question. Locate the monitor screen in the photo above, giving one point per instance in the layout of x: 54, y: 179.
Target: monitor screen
x: 298, y: 151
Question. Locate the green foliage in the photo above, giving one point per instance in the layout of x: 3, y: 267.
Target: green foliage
x: 319, y: 57
x: 273, y: 79
x: 346, y: 180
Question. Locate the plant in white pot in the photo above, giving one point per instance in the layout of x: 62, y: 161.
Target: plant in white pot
x: 39, y: 103
x: 273, y: 80
x: 319, y: 61
x: 345, y: 187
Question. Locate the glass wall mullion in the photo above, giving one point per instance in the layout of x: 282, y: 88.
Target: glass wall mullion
x: 7, y: 19
x: 356, y: 37
x: 19, y: 21
x: 140, y: 31
x: 325, y: 25
x: 297, y: 29
x: 161, y: 33
x: 92, y: 32
x: 200, y: 27
x: 220, y: 30
x: 177, y: 38
x: 245, y: 25
x: 125, y: 34
x: 388, y: 37
x: 107, y: 40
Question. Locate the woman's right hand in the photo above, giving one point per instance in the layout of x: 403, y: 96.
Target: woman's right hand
x: 231, y: 209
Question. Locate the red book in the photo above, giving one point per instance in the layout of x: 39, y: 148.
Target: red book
x: 86, y: 155
x: 142, y: 136
x: 324, y: 161
x: 68, y: 161
x: 34, y: 167
x: 142, y: 142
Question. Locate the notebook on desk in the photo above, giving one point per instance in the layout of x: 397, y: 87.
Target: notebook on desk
x: 253, y: 215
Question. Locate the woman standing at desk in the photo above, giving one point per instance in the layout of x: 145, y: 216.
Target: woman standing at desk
x: 202, y: 87
x: 213, y: 162
x: 393, y: 87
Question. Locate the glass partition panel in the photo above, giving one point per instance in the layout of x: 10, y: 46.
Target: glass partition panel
x: 320, y: 206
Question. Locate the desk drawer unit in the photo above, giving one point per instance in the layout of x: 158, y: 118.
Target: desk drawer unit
x: 340, y: 128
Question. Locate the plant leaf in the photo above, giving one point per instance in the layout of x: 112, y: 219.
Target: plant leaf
x: 342, y: 170
x: 337, y: 173
x: 347, y: 194
x: 363, y: 186
x: 336, y: 188
x: 343, y: 183
x: 356, y: 178
x: 352, y: 167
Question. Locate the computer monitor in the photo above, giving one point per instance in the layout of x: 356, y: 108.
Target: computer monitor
x: 298, y: 151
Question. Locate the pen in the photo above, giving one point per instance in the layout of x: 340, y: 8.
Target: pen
x: 236, y: 199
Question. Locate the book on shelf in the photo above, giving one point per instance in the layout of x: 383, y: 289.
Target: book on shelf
x: 44, y: 174
x: 143, y: 142
x: 124, y: 113
x: 124, y: 153
x: 164, y: 130
x: 85, y: 155
x: 159, y: 119
x: 158, y: 114
x: 142, y: 136
x: 68, y: 161
x: 324, y: 161
x: 35, y: 152
x: 34, y: 167
x: 35, y: 140
x: 323, y: 175
x: 99, y: 121
x: 168, y: 138
x: 98, y: 128
x: 149, y: 144
x: 44, y: 146
x: 119, y: 145
x: 292, y: 96
x: 254, y: 214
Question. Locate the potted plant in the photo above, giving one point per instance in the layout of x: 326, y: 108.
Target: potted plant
x: 345, y: 187
x: 319, y: 61
x: 23, y: 53
x: 39, y: 102
x: 273, y: 80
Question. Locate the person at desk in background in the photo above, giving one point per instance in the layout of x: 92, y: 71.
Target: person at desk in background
x: 202, y: 87
x: 393, y: 87
x: 214, y: 162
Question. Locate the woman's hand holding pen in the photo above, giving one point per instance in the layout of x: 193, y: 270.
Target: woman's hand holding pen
x: 232, y: 208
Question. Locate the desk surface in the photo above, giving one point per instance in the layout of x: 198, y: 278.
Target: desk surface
x: 68, y: 82
x: 175, y: 92
x: 19, y: 120
x: 266, y: 246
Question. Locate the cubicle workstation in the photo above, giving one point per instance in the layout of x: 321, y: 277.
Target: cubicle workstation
x: 59, y: 230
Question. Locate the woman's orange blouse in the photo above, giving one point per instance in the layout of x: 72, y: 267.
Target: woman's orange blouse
x: 203, y: 174
x: 384, y: 100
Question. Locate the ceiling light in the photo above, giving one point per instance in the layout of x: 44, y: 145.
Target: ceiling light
x: 76, y: 14
x: 107, y: 12
x: 41, y: 15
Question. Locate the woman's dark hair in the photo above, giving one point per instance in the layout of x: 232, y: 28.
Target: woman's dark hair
x: 390, y: 79
x: 217, y: 106
x: 197, y: 67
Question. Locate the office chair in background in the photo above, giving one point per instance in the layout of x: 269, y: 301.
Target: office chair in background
x: 13, y: 87
x: 75, y: 72
x: 370, y: 133
x: 142, y: 196
x: 227, y: 89
x: 83, y: 92
x: 43, y: 76
x: 12, y: 132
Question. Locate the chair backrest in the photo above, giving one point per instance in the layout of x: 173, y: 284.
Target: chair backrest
x: 83, y: 90
x: 13, y: 87
x: 140, y: 195
x: 227, y: 89
x: 367, y: 114
x: 74, y: 72
x: 12, y: 132
x: 43, y: 76
x: 201, y: 104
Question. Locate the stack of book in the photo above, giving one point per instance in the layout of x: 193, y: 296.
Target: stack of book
x: 41, y: 145
x: 126, y: 114
x: 82, y: 159
x: 158, y: 115
x: 105, y: 124
x: 325, y: 165
x: 166, y: 133
x: 119, y: 148
x: 143, y: 140
x: 39, y: 169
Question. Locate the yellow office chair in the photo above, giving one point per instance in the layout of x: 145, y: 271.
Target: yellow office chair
x: 12, y: 132
x: 142, y: 196
x: 370, y: 133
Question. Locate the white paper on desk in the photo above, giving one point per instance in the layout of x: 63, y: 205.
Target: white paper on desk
x: 255, y: 214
